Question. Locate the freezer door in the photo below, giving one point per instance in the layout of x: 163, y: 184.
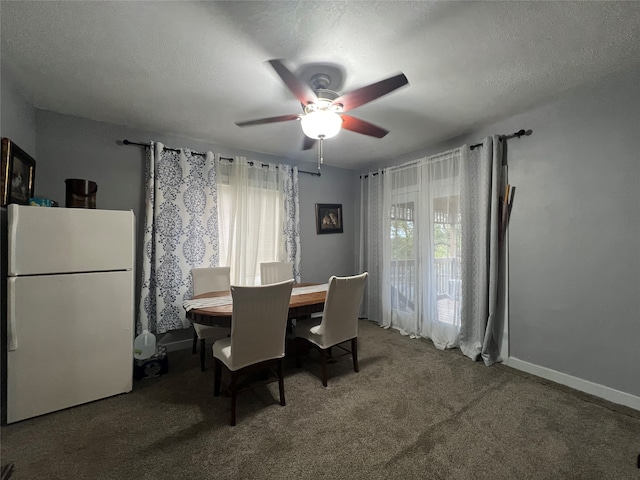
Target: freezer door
x: 73, y: 341
x: 64, y: 240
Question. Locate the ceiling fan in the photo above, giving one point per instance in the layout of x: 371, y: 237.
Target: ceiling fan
x: 324, y: 110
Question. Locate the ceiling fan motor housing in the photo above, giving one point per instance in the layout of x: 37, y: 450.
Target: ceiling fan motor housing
x: 320, y: 83
x: 325, y: 94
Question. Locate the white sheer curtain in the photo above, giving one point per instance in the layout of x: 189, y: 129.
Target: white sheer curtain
x: 259, y: 217
x: 416, y: 248
x: 181, y: 232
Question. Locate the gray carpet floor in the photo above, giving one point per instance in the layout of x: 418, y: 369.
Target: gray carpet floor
x: 412, y: 412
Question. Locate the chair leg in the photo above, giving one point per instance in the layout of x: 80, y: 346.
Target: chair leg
x: 217, y: 376
x: 202, y: 354
x: 234, y: 397
x: 195, y: 342
x: 323, y: 366
x: 354, y: 354
x: 281, y: 381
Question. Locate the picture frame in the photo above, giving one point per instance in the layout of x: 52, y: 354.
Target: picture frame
x: 328, y: 218
x: 18, y: 174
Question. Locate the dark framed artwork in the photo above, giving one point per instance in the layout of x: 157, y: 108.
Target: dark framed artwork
x: 18, y: 174
x: 328, y: 218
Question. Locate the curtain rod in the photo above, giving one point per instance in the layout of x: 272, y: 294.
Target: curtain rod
x: 517, y: 134
x: 230, y: 159
x: 128, y: 142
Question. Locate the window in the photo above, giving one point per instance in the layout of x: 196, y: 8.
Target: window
x: 447, y: 242
x: 403, y: 268
x: 411, y: 242
x: 250, y: 220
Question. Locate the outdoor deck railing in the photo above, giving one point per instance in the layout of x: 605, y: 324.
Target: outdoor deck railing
x: 403, y: 280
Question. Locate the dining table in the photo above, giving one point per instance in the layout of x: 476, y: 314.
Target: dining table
x: 216, y: 308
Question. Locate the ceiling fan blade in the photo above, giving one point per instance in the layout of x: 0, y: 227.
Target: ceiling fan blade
x: 360, y: 126
x: 300, y: 89
x: 281, y: 118
x: 308, y: 143
x: 366, y: 94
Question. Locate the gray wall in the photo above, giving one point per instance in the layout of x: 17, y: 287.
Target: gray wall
x: 17, y: 115
x: 574, y: 233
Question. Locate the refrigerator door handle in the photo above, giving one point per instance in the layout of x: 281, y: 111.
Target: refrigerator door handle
x: 12, y: 335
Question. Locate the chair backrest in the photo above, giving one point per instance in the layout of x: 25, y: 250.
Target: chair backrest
x: 274, y: 272
x: 259, y: 322
x: 341, y: 309
x: 212, y: 279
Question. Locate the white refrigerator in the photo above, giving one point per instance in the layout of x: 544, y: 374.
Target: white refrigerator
x: 69, y: 320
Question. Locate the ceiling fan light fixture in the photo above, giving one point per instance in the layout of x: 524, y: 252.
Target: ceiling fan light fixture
x: 321, y: 124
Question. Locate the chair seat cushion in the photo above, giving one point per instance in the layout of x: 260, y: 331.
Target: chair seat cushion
x: 205, y: 332
x: 309, y: 329
x: 222, y: 351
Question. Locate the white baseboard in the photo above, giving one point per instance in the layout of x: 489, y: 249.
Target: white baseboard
x: 610, y: 394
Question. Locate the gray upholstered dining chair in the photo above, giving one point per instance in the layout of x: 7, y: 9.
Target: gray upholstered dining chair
x: 338, y: 324
x: 212, y: 279
x: 273, y: 272
x: 253, y: 346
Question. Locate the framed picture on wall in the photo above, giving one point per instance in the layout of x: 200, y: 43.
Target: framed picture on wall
x: 328, y: 218
x: 18, y: 174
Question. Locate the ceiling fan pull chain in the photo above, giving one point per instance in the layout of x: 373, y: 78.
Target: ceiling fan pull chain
x: 320, y: 153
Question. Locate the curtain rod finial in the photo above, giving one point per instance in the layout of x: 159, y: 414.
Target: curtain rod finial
x: 520, y: 133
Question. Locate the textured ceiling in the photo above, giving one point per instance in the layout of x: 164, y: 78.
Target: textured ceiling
x: 194, y: 68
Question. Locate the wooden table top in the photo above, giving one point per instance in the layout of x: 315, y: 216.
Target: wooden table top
x: 299, y: 305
